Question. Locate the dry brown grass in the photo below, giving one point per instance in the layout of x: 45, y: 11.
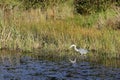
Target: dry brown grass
x: 29, y: 30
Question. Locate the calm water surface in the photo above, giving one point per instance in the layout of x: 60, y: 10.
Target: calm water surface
x: 27, y: 68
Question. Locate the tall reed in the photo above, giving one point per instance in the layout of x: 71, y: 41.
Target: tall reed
x: 31, y: 30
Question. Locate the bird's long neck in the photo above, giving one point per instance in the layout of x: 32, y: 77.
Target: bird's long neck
x: 75, y: 48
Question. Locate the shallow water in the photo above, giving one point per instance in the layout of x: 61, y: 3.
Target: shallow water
x: 27, y: 68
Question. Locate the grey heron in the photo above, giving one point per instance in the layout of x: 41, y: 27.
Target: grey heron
x: 81, y: 50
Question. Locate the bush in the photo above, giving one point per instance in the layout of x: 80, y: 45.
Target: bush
x: 92, y: 6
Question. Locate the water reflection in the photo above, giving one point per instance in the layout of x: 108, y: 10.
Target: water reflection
x: 17, y: 67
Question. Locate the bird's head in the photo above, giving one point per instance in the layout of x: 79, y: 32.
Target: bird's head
x: 73, y: 45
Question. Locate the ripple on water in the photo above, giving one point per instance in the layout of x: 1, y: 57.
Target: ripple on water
x: 29, y: 69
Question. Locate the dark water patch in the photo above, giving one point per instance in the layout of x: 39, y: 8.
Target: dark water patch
x: 47, y: 70
x: 28, y: 67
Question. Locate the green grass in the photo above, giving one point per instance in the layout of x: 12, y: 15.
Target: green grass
x: 29, y: 31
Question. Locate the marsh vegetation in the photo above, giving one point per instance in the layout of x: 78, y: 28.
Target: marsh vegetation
x: 50, y: 27
x: 35, y: 36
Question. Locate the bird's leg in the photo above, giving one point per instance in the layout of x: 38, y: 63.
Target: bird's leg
x: 83, y: 56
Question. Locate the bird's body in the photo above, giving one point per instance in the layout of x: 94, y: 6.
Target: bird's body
x: 81, y: 51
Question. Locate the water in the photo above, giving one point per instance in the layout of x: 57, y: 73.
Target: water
x: 27, y: 68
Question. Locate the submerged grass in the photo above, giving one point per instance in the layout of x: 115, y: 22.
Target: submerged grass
x: 30, y: 31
